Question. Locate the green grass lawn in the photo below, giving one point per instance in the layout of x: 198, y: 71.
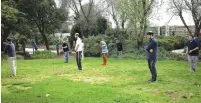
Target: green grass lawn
x: 122, y: 81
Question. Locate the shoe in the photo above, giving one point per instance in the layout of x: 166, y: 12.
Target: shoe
x: 153, y: 80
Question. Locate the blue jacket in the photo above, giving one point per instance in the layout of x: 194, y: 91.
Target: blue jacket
x: 152, y: 44
x: 192, y: 45
x: 10, y: 49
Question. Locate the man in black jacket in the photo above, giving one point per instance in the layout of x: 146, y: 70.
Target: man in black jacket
x: 65, y: 50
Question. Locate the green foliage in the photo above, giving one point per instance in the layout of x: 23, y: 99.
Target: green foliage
x: 4, y: 56
x: 172, y: 42
x: 92, y: 45
x: 20, y: 57
x: 43, y: 55
x: 45, y: 15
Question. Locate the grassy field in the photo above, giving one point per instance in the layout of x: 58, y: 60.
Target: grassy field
x: 122, y: 81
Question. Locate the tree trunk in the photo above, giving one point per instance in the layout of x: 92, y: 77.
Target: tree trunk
x: 182, y: 19
x: 46, y: 41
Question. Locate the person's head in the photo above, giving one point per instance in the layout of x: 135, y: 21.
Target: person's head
x: 76, y: 35
x: 8, y: 40
x: 190, y: 37
x: 150, y: 34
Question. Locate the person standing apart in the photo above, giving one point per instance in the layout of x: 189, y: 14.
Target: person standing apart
x: 10, y: 50
x: 78, y: 50
x: 57, y: 47
x: 35, y: 46
x: 119, y: 49
x: 193, y: 53
x: 151, y: 49
x: 104, y: 52
x: 65, y: 50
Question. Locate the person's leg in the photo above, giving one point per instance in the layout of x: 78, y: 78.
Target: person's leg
x: 121, y: 56
x: 11, y: 61
x: 66, y: 57
x: 191, y: 62
x: 149, y: 65
x: 14, y: 65
x: 57, y: 51
x: 103, y: 59
x: 77, y: 59
x: 154, y: 72
x: 80, y: 62
x: 195, y: 60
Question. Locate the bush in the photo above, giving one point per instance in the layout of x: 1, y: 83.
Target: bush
x: 92, y: 45
x: 19, y: 57
x: 5, y: 57
x: 172, y: 42
x: 43, y: 55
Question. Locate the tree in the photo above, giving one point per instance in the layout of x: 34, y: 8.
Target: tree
x: 9, y: 19
x: 137, y: 12
x: 178, y: 7
x: 44, y: 14
x: 101, y: 25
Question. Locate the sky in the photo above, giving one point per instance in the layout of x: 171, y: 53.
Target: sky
x: 159, y: 17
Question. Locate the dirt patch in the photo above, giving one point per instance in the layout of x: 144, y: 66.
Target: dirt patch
x: 23, y: 88
x: 58, y: 71
x: 87, y: 79
x: 172, y: 94
x: 92, y: 80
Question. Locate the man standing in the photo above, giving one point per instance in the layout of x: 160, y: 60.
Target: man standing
x: 57, y: 47
x: 35, y: 46
x: 10, y: 50
x: 65, y: 50
x: 119, y: 49
x: 151, y: 49
x: 78, y: 50
x: 193, y: 52
x: 104, y: 52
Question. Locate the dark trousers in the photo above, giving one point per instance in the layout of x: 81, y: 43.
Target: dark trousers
x: 58, y: 51
x: 78, y: 59
x: 152, y: 68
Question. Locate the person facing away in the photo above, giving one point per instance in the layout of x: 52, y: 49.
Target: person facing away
x: 35, y: 46
x: 57, y: 47
x: 78, y: 50
x: 10, y: 51
x: 119, y: 49
x: 193, y: 53
x: 152, y: 48
x: 65, y: 50
x: 104, y: 52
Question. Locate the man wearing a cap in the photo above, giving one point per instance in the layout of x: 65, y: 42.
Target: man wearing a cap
x: 151, y: 49
x: 10, y: 50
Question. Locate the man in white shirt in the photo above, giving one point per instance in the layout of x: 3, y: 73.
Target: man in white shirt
x: 78, y: 50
